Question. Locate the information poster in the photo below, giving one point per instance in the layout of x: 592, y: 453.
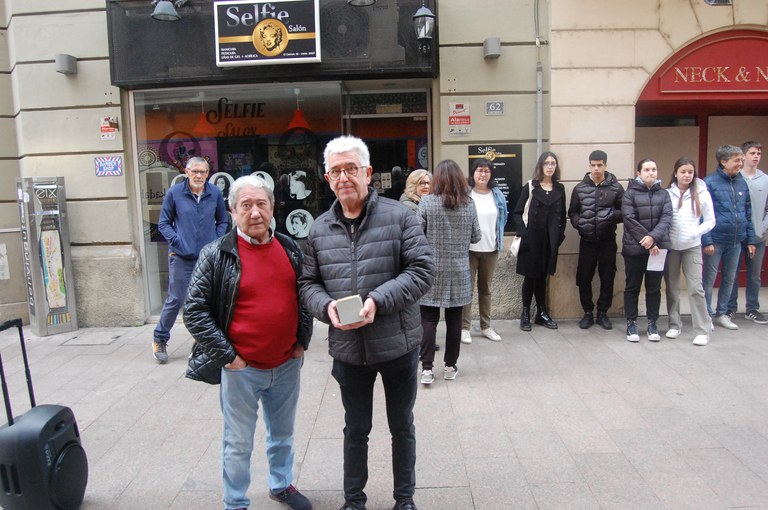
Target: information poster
x: 507, y: 171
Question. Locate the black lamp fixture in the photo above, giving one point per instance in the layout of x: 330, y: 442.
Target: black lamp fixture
x: 424, y: 24
x: 165, y: 10
x: 361, y: 3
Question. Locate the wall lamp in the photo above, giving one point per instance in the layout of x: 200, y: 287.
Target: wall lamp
x: 718, y: 2
x: 65, y: 64
x: 361, y: 3
x: 424, y: 24
x: 165, y: 10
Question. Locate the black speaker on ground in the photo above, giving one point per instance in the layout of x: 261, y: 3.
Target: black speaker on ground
x: 42, y: 463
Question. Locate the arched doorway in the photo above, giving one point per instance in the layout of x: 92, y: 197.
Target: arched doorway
x: 711, y: 92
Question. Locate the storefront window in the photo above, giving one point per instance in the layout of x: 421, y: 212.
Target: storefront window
x: 276, y: 131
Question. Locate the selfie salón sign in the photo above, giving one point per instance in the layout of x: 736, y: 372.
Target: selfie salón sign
x: 254, y: 33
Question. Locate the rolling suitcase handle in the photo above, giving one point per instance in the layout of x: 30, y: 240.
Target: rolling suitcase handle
x: 7, y: 325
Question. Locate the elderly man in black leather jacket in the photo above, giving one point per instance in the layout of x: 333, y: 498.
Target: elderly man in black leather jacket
x: 374, y: 247
x: 243, y: 309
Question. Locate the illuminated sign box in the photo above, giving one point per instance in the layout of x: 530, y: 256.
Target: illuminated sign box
x: 264, y: 33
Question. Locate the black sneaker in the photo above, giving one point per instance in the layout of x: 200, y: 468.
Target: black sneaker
x: 159, y: 351
x: 632, y: 335
x: 404, y: 504
x: 348, y: 506
x: 291, y: 498
x: 603, y: 321
x: 653, y: 331
x: 756, y: 317
x: 587, y: 321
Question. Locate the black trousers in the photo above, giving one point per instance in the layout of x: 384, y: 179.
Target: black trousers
x: 600, y: 256
x: 430, y: 316
x: 635, y: 267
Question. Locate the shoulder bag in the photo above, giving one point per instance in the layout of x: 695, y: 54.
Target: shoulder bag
x: 514, y: 248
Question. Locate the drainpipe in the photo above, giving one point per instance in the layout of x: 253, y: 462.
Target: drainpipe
x: 539, y: 79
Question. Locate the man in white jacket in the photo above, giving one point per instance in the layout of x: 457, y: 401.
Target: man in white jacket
x: 757, y: 181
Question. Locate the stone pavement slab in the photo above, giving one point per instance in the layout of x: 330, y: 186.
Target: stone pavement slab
x: 551, y: 419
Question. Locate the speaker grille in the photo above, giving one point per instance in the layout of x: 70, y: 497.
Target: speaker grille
x: 69, y: 477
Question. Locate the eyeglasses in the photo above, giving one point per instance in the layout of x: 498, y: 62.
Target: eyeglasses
x: 424, y: 183
x: 483, y: 171
x: 197, y: 172
x: 349, y: 171
x: 550, y: 163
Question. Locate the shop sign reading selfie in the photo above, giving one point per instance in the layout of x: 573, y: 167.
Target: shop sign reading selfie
x: 257, y: 33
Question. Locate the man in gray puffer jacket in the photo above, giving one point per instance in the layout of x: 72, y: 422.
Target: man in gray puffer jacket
x: 373, y: 247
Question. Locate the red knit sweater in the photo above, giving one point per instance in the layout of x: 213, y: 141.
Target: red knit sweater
x: 266, y: 315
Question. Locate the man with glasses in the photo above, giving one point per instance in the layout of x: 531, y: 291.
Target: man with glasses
x: 595, y: 210
x: 193, y: 214
x: 370, y: 246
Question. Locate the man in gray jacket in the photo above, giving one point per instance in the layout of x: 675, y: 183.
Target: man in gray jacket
x: 373, y: 247
x: 757, y: 182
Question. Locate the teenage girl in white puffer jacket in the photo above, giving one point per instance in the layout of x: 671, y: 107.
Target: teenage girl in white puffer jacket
x: 693, y: 216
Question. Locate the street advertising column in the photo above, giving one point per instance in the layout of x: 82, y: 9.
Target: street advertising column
x: 47, y: 260
x: 507, y: 171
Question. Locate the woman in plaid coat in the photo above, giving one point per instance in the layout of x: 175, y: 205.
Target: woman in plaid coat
x: 449, y: 219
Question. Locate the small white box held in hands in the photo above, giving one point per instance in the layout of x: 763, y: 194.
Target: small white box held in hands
x: 349, y: 308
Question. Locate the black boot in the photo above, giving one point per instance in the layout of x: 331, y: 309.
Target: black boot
x: 525, y: 319
x: 543, y: 318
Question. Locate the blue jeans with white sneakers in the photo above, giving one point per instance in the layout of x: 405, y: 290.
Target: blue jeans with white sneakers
x: 728, y: 254
x: 754, y: 265
x: 241, y: 391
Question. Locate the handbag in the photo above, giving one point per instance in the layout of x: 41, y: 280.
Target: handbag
x: 201, y: 367
x: 514, y: 248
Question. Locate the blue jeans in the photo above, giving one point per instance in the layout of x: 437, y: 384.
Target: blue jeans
x: 728, y: 254
x: 399, y: 377
x: 754, y: 266
x: 179, y: 273
x: 241, y: 390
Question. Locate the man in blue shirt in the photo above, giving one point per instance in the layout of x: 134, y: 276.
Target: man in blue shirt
x: 733, y: 214
x: 192, y: 215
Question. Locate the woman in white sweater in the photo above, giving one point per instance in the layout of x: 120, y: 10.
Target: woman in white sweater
x: 693, y: 216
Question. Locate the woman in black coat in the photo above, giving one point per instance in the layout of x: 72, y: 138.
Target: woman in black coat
x: 647, y: 212
x: 541, y: 237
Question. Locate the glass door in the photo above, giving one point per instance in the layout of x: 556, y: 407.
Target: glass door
x: 396, y: 127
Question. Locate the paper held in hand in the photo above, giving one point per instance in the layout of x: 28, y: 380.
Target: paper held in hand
x: 656, y: 262
x: 349, y: 309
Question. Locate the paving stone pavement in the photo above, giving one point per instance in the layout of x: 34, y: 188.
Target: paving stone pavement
x: 551, y: 419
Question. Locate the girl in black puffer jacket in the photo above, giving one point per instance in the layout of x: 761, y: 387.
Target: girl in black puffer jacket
x: 647, y: 212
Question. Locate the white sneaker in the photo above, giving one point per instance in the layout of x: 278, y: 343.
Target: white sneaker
x: 726, y: 322
x: 427, y: 377
x: 672, y: 333
x: 466, y: 338
x: 701, y: 340
x: 490, y: 334
x: 450, y: 373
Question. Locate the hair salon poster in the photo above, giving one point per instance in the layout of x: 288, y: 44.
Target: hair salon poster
x: 254, y: 33
x: 507, y: 170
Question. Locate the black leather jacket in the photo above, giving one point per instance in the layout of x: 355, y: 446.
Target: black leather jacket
x: 212, y: 296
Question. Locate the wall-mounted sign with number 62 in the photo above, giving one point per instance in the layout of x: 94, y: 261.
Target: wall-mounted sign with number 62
x: 494, y: 108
